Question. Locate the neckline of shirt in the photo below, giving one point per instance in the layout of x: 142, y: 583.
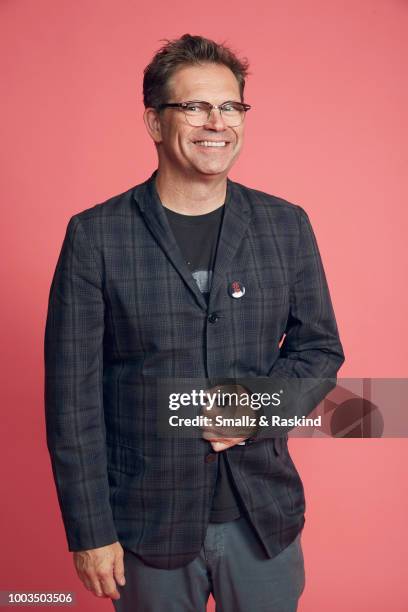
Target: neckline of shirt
x: 191, y: 219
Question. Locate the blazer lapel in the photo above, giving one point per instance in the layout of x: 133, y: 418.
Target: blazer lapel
x: 155, y: 217
x: 237, y: 215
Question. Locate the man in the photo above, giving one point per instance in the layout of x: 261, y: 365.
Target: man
x: 188, y: 275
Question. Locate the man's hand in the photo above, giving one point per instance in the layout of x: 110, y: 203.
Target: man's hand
x: 98, y: 568
x: 220, y: 444
x: 222, y: 437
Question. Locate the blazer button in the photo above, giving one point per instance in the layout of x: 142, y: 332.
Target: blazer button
x: 213, y: 317
x: 210, y: 458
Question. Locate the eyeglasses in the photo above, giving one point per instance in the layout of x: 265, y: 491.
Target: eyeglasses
x: 198, y: 113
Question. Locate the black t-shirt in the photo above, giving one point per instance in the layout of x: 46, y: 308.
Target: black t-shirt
x: 197, y: 236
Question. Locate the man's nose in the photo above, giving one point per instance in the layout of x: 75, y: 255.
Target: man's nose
x: 216, y: 120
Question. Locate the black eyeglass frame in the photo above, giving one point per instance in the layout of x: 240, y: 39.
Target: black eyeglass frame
x: 183, y: 105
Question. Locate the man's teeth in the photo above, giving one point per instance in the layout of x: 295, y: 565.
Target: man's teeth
x: 208, y: 143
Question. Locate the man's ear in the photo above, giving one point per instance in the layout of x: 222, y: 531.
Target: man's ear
x: 152, y: 123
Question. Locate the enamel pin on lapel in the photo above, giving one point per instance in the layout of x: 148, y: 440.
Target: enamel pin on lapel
x: 236, y: 289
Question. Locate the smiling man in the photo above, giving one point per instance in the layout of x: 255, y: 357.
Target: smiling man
x: 188, y: 275
x: 196, y: 143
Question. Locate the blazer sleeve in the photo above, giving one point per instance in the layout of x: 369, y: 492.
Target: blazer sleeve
x: 311, y: 353
x: 75, y: 428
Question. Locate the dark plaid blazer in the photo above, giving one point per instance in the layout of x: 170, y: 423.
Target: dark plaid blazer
x: 123, y: 310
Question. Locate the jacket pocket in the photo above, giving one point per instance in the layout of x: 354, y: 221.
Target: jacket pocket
x: 124, y: 459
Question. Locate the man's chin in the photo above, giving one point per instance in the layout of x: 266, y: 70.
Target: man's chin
x: 212, y: 171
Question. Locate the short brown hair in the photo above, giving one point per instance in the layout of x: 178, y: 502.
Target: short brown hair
x: 187, y: 50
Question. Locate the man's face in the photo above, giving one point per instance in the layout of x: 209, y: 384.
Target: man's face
x: 177, y: 140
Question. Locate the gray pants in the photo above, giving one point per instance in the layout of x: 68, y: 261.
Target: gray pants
x: 231, y: 565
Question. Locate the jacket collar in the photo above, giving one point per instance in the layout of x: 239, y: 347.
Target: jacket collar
x: 235, y: 221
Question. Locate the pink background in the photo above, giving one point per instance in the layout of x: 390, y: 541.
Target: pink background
x: 328, y: 131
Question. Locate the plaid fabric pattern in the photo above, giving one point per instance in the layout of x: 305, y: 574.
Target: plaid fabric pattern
x: 123, y: 311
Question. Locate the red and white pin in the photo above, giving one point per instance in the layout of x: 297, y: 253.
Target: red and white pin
x: 236, y: 289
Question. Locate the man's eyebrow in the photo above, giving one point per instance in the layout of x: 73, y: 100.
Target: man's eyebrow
x: 201, y: 100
